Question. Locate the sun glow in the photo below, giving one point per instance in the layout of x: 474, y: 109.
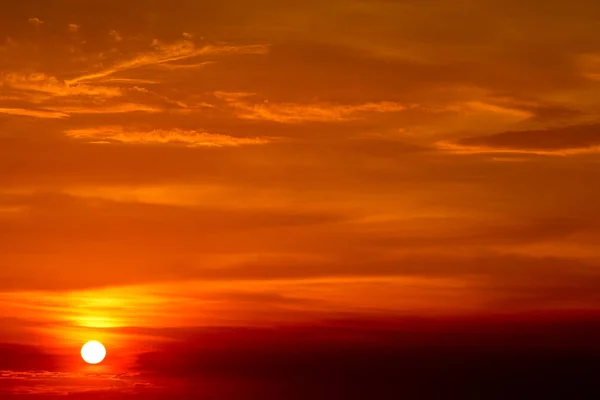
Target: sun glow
x: 93, y: 352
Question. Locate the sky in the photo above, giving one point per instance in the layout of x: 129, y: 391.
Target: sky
x: 294, y: 199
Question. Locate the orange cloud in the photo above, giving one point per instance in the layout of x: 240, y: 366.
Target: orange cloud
x: 480, y: 106
x: 297, y: 112
x: 51, y: 98
x: 66, y: 111
x: 568, y: 140
x: 33, y: 113
x: 589, y: 65
x: 109, y: 109
x: 189, y: 138
x: 35, y: 21
x: 50, y: 85
x: 185, y: 66
x: 115, y: 35
x: 163, y: 54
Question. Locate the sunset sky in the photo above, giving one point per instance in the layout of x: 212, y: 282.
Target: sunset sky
x: 244, y: 191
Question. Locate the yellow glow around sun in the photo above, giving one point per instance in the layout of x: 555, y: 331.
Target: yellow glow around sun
x: 93, y: 352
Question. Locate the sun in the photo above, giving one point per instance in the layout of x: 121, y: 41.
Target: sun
x: 93, y: 352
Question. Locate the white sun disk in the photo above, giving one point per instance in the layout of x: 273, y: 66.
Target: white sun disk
x: 93, y: 352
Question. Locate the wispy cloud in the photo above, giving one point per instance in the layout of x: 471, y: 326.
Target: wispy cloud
x: 49, y: 97
x: 42, y: 84
x: 166, y: 53
x: 132, y: 81
x: 189, y: 138
x: 44, y: 95
x: 185, y: 66
x: 298, y: 112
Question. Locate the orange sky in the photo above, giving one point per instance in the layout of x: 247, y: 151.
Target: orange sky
x: 185, y: 164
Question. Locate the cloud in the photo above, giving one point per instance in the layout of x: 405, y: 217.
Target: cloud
x: 568, y: 140
x: 124, y: 225
x: 251, y: 248
x: 132, y: 81
x: 480, y: 106
x: 185, y: 66
x: 384, y: 358
x: 298, y: 113
x: 350, y: 356
x: 166, y: 53
x: 49, y: 97
x: 67, y: 111
x: 118, y: 108
x: 58, y: 383
x: 115, y: 35
x: 52, y: 114
x: 40, y: 83
x: 590, y: 66
x: 73, y: 28
x: 189, y: 138
x: 18, y: 357
x: 35, y: 21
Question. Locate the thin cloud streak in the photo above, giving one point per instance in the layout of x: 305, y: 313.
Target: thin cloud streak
x: 52, y: 114
x: 564, y: 141
x: 298, y: 113
x: 189, y: 138
x: 464, y: 149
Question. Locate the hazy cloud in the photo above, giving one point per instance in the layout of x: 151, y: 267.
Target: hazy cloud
x: 35, y: 21
x: 115, y: 35
x: 558, y: 141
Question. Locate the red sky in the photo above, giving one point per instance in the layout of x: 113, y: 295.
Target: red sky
x: 190, y: 181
